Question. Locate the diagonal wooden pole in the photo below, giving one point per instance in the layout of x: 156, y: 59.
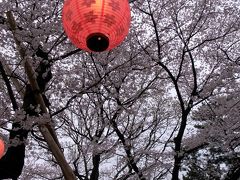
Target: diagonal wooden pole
x: 46, y: 130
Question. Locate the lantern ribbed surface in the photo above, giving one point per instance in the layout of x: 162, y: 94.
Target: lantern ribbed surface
x: 2, y: 148
x: 96, y: 25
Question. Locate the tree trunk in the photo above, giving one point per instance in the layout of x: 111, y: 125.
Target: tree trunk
x: 46, y: 130
x: 178, y: 143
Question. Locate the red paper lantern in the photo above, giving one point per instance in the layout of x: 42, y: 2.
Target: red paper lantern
x: 2, y: 148
x: 96, y: 25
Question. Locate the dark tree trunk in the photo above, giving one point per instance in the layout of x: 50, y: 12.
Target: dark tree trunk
x: 11, y: 164
x: 95, y: 171
x: 178, y: 145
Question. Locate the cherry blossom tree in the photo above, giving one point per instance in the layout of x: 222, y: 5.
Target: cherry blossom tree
x: 129, y: 113
x: 200, y: 66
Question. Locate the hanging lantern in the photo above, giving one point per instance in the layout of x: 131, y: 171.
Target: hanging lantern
x: 96, y: 25
x: 2, y: 148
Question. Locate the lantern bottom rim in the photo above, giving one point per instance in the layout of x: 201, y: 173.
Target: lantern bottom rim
x: 97, y: 42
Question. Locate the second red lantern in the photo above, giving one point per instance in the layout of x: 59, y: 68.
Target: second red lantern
x: 96, y: 25
x: 2, y: 148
